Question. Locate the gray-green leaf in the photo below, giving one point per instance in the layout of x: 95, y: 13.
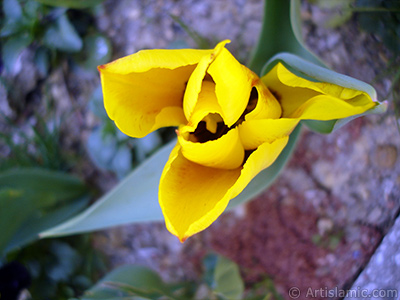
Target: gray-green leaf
x: 223, y: 277
x: 127, y: 282
x: 12, y: 49
x: 32, y: 200
x: 135, y: 199
x: 63, y: 36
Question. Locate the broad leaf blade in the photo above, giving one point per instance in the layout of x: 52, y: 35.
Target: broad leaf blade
x: 48, y: 188
x: 229, y: 283
x: 37, y: 222
x: 32, y: 200
x: 129, y: 281
x: 280, y: 32
x: 12, y: 9
x: 133, y: 200
x: 63, y: 36
x: 14, y: 209
x: 13, y: 48
x: 225, y: 280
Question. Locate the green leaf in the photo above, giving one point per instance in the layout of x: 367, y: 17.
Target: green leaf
x: 96, y: 104
x: 32, y: 200
x: 10, y: 28
x: 229, y: 283
x: 42, y: 61
x: 108, y: 153
x: 223, y: 277
x: 37, y: 222
x: 12, y: 9
x: 280, y: 32
x: 266, y: 177
x: 128, y: 281
x: 13, y: 48
x: 14, y: 209
x: 48, y: 188
x: 97, y: 50
x: 33, y: 9
x: 14, y: 19
x: 71, y: 3
x: 135, y: 199
x: 314, y: 72
x: 63, y: 36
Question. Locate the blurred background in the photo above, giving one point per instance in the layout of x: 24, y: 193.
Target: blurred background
x: 318, y: 225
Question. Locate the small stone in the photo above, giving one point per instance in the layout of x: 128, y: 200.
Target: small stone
x: 327, y: 175
x: 375, y: 215
x: 397, y: 259
x: 386, y: 156
x: 324, y: 225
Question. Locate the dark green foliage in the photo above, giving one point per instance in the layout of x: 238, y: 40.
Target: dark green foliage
x: 382, y: 18
x: 60, y: 268
x: 52, y: 31
x: 34, y: 146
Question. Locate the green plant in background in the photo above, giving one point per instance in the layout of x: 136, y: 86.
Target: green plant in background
x: 33, y: 199
x: 221, y: 280
x: 35, y: 146
x: 60, y: 268
x: 35, y: 191
x: 51, y: 32
x: 340, y: 11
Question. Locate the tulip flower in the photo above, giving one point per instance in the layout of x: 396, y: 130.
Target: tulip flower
x: 231, y: 124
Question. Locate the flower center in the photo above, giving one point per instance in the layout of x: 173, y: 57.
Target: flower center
x: 212, y: 126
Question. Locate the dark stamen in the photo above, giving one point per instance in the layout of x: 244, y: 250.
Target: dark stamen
x: 251, y: 105
x: 202, y: 135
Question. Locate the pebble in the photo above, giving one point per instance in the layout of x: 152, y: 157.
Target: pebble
x: 374, y: 215
x: 386, y: 156
x: 324, y: 225
x: 397, y: 259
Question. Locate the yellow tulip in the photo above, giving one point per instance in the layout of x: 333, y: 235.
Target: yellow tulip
x: 231, y: 123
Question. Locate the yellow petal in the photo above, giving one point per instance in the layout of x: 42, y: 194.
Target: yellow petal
x: 293, y: 92
x: 267, y: 106
x: 253, y: 133
x: 259, y: 160
x: 194, y: 84
x: 233, y: 83
x: 225, y: 153
x: 193, y: 196
x: 146, y: 60
x: 190, y: 194
x: 144, y: 91
x: 206, y: 104
x: 326, y: 107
